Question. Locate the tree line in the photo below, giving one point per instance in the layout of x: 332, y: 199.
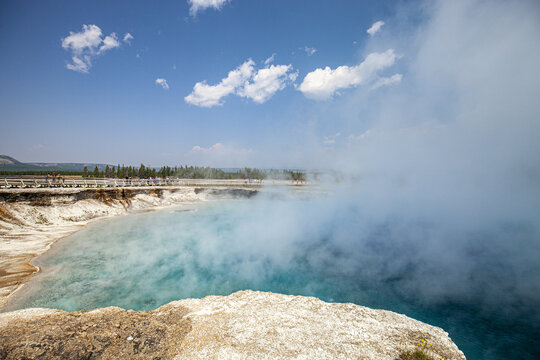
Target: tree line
x: 183, y: 172
x: 191, y: 172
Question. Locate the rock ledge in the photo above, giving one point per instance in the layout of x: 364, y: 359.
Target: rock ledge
x: 243, y: 325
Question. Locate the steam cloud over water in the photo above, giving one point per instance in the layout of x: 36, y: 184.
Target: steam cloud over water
x: 447, y: 164
x: 473, y: 281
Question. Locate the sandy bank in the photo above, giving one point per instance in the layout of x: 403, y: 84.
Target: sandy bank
x: 31, y: 220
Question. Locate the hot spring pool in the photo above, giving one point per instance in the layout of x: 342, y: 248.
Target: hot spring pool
x: 334, y: 250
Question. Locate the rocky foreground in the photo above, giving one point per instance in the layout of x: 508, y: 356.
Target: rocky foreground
x: 244, y: 325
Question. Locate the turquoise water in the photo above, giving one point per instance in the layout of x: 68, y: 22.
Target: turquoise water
x: 465, y: 280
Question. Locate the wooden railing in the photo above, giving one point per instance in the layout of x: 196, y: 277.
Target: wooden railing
x: 43, y: 182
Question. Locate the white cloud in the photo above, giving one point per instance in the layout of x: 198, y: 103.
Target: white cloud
x: 86, y: 45
x: 127, y: 38
x: 212, y: 149
x: 266, y: 83
x: 88, y: 39
x: 80, y: 65
x: 110, y: 42
x: 205, y: 95
x: 258, y: 85
x: 375, y: 28
x: 199, y: 5
x: 309, y: 50
x: 323, y: 83
x: 210, y: 95
x: 387, y: 81
x: 163, y: 83
x: 293, y: 76
x: 270, y: 59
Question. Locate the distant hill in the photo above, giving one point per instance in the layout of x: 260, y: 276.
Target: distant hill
x: 7, y: 163
x: 8, y: 160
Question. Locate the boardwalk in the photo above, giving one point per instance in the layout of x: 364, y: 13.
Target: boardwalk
x: 14, y: 182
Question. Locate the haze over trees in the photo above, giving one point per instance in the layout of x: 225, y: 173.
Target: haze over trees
x: 184, y: 172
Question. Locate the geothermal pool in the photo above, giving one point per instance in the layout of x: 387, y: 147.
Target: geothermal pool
x: 458, y: 277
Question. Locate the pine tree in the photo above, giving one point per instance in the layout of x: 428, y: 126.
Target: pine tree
x: 141, y: 171
x: 85, y: 172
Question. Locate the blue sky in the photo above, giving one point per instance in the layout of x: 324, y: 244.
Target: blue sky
x: 117, y: 113
x: 265, y: 83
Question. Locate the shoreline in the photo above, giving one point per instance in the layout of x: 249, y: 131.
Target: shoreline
x: 11, y: 299
x: 32, y: 220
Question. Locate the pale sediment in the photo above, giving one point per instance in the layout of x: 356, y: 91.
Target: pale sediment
x: 244, y: 325
x: 31, y: 220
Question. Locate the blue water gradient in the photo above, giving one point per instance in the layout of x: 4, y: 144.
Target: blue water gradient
x: 473, y: 281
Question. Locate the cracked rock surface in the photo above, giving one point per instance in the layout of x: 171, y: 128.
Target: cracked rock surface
x: 243, y: 325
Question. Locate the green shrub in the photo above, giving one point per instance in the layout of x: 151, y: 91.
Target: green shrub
x: 423, y: 350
